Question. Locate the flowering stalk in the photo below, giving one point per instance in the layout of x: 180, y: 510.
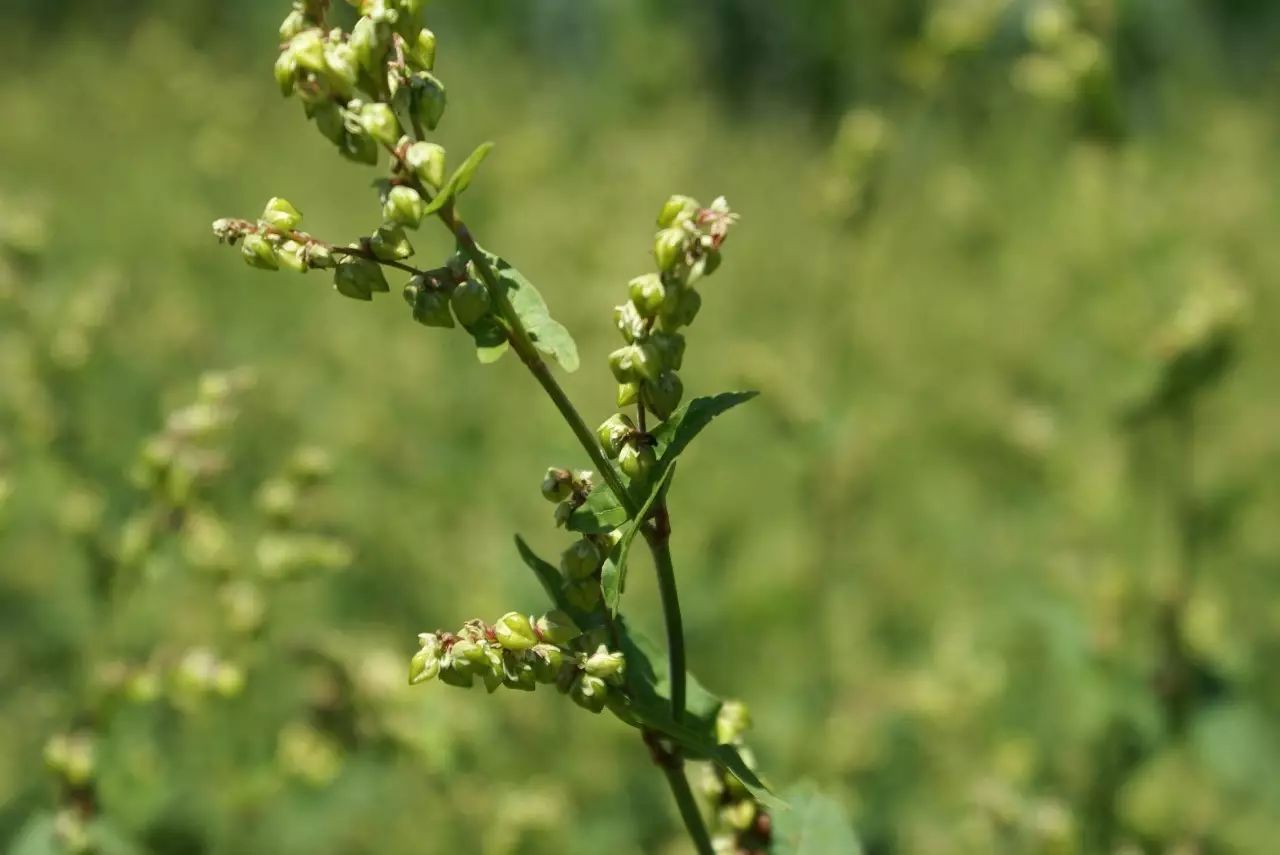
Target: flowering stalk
x: 373, y: 90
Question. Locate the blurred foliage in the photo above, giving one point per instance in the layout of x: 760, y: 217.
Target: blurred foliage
x: 992, y: 558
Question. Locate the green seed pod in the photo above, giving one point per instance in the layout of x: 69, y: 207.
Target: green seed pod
x: 663, y: 395
x: 629, y: 322
x: 470, y: 652
x: 515, y: 632
x: 379, y: 121
x: 605, y: 665
x: 680, y: 309
x: 634, y: 362
x: 557, y: 485
x: 470, y: 302
x: 628, y: 394
x: 675, y: 210
x: 342, y: 65
x: 583, y: 595
x: 358, y: 278
x: 258, y: 252
x: 614, y: 433
x: 647, y: 294
x: 390, y: 243
x: 581, y: 560
x: 429, y: 99
x: 669, y: 248
x: 404, y: 206
x: 590, y: 693
x: 308, y: 48
x: 286, y: 71
x: 547, y: 661
x: 294, y: 23
x: 368, y: 45
x: 280, y: 214
x: 291, y: 256
x: 423, y: 52
x: 427, y: 160
x: 732, y: 722
x: 431, y: 307
x: 670, y: 348
x: 637, y: 461
x: 556, y: 627
x: 328, y: 119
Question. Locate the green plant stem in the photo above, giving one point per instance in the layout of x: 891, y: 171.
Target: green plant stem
x: 659, y: 545
x: 688, y: 805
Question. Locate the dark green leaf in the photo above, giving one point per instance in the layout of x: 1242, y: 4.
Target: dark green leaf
x: 648, y: 705
x: 815, y: 825
x: 686, y: 423
x: 490, y: 338
x: 460, y: 180
x: 548, y: 334
x: 553, y: 583
x: 600, y: 514
x: 613, y: 578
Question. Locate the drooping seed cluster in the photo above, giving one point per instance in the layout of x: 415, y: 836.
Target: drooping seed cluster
x: 741, y: 825
x: 522, y: 652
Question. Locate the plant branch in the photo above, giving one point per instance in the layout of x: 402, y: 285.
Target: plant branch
x: 672, y: 765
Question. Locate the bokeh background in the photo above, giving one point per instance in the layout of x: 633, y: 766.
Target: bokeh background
x: 965, y: 582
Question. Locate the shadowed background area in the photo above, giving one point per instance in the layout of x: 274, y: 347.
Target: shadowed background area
x: 987, y: 560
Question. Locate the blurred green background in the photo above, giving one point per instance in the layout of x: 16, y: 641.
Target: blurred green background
x: 949, y: 576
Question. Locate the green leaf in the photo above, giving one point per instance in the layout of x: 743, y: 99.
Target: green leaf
x: 37, y: 837
x: 600, y: 514
x: 553, y: 583
x: 816, y: 824
x: 648, y: 705
x: 613, y: 577
x: 547, y: 334
x: 686, y: 423
x: 459, y: 181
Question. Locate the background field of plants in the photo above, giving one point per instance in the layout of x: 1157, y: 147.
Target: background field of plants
x: 937, y: 557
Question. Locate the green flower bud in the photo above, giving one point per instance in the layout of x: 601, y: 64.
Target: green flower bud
x: 427, y: 160
x: 557, y: 627
x: 286, y: 71
x: 581, y: 560
x: 681, y: 308
x: 663, y: 395
x: 614, y: 433
x: 318, y: 256
x: 342, y: 65
x: 515, y: 632
x: 292, y: 256
x: 258, y: 252
x: 404, y: 206
x: 670, y: 349
x: 425, y: 664
x: 308, y: 49
x: 669, y: 248
x: 470, y: 302
x: 628, y: 394
x: 557, y: 485
x: 675, y: 209
x: 605, y: 665
x: 281, y: 214
x: 590, y: 693
x: 547, y: 661
x: 423, y: 52
x: 390, y: 243
x: 584, y: 595
x: 732, y: 722
x: 358, y: 278
x: 637, y: 461
x: 647, y: 294
x: 379, y: 121
x: 629, y: 322
x: 294, y: 23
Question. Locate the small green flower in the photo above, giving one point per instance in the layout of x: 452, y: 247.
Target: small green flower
x: 669, y: 248
x: 581, y: 560
x: 557, y: 627
x: 423, y: 52
x: 430, y: 304
x: 647, y: 294
x: 379, y: 121
x: 637, y: 461
x: 427, y: 160
x: 675, y: 210
x: 258, y: 252
x: 615, y: 433
x: 663, y: 395
x: 281, y: 214
x: 404, y: 206
x: 307, y: 48
x: 630, y: 322
x: 605, y: 665
x: 359, y: 278
x: 590, y: 693
x: 557, y: 485
x: 470, y: 302
x: 390, y: 243
x: 628, y: 394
